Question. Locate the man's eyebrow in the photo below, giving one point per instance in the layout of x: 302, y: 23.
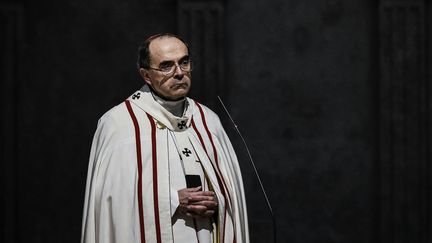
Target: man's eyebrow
x: 184, y: 57
x: 171, y: 61
x: 166, y: 62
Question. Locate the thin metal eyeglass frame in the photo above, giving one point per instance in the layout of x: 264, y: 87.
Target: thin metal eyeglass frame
x: 176, y: 65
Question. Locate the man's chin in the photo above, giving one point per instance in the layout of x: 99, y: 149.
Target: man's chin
x: 177, y: 95
x: 180, y: 96
x: 181, y: 91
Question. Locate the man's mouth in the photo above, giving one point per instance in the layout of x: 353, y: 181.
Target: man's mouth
x: 180, y: 86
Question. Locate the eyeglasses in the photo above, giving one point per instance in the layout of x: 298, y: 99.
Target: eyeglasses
x: 169, y: 67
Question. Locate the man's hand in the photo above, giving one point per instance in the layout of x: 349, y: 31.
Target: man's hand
x: 196, y: 203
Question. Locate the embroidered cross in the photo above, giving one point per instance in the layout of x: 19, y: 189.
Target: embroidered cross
x: 186, y: 152
x: 182, y: 124
x: 136, y: 96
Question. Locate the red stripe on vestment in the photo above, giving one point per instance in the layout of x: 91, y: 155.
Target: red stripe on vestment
x: 139, y: 165
x: 208, y: 133
x: 155, y: 179
x: 213, y: 146
x: 217, y: 175
x: 217, y: 165
x: 199, y: 135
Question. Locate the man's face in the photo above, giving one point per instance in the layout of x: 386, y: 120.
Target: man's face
x: 167, y: 51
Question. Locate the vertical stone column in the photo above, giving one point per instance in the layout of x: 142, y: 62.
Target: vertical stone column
x: 405, y: 171
x: 201, y: 24
x: 10, y: 23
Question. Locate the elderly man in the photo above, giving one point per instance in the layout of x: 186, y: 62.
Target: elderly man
x: 162, y: 168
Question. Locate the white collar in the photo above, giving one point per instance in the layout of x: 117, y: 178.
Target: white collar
x: 164, y: 118
x: 175, y: 107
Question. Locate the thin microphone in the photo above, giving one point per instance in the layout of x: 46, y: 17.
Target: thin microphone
x: 254, y: 167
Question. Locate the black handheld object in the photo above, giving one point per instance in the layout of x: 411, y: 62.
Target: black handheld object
x: 193, y: 181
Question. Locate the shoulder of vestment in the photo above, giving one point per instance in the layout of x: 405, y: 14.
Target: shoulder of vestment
x: 116, y: 123
x: 212, y: 119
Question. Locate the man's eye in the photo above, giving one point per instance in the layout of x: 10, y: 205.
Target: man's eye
x: 184, y: 62
x: 166, y: 66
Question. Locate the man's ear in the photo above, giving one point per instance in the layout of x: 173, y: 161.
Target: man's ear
x: 145, y: 75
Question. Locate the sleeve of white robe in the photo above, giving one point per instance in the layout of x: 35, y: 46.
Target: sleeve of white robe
x: 109, y: 214
x: 234, y: 172
x: 90, y: 222
x: 242, y: 228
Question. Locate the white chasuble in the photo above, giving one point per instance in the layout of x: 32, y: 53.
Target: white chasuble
x: 138, y: 161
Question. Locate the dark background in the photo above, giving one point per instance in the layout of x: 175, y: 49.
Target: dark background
x: 332, y: 96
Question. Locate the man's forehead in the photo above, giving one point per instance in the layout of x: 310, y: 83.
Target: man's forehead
x: 167, y: 47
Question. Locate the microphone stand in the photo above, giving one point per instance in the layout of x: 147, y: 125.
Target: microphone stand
x: 255, y: 170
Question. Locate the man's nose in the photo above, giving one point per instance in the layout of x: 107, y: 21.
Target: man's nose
x: 178, y: 72
x: 177, y: 68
